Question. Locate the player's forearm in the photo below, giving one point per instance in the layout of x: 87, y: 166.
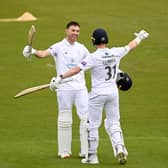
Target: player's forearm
x: 42, y: 53
x: 133, y: 44
x: 71, y: 72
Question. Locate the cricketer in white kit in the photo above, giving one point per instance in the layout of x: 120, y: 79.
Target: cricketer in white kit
x: 104, y: 65
x: 68, y: 53
x: 67, y: 56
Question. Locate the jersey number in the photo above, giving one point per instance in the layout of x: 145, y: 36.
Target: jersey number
x: 111, y: 72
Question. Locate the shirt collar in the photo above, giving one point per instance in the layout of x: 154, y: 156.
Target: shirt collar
x: 67, y: 42
x: 101, y: 49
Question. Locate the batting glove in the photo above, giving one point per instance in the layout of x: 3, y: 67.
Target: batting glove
x: 142, y: 35
x: 28, y: 51
x: 55, y: 82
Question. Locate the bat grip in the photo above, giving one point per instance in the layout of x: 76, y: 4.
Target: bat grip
x: 29, y: 47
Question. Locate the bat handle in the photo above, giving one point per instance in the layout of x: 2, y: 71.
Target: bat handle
x: 29, y: 50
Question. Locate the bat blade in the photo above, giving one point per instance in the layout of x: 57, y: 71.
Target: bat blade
x: 32, y: 89
x: 31, y: 35
x: 37, y: 88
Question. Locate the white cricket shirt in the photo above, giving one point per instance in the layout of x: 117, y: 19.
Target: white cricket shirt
x: 104, y: 64
x: 66, y: 56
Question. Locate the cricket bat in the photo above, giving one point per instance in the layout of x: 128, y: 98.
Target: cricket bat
x: 37, y: 88
x: 32, y: 89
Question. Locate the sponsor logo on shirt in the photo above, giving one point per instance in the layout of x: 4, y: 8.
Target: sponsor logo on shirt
x: 83, y: 63
x: 109, y: 62
x: 71, y: 65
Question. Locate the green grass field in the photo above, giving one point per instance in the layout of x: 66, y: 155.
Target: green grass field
x: 28, y: 124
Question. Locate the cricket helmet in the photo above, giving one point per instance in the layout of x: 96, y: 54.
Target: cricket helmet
x: 99, y: 36
x: 124, y: 81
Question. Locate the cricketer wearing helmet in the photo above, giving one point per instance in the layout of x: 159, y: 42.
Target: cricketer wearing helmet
x: 104, y: 65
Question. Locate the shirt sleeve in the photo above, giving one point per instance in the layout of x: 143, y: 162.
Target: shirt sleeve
x: 87, y: 63
x: 121, y: 51
x: 53, y: 50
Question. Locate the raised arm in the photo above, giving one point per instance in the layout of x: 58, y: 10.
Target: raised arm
x: 139, y: 37
x: 38, y: 53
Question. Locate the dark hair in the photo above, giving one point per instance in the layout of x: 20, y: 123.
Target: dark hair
x: 72, y: 23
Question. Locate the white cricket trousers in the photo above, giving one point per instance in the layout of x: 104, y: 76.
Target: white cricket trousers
x: 66, y: 99
x: 109, y: 103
